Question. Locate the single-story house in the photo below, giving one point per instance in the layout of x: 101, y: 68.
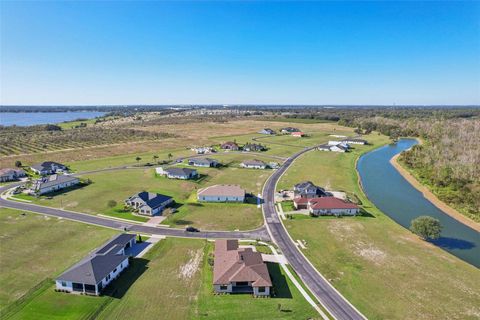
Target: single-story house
x: 53, y: 183
x: 48, y: 167
x: 239, y: 270
x: 253, y: 164
x: 289, y: 130
x: 98, y: 269
x: 267, y: 131
x: 253, y: 147
x: 355, y: 141
x: 229, y: 145
x: 338, y: 143
x: 149, y: 203
x: 336, y: 148
x: 307, y: 189
x: 203, y: 162
x: 8, y: 174
x: 221, y: 193
x: 180, y: 173
x: 298, y: 134
x: 203, y: 150
x: 328, y: 206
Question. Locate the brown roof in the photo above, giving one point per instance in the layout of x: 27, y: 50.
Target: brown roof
x: 237, y: 265
x: 331, y: 203
x: 222, y: 190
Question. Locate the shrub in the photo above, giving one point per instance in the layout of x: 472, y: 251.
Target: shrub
x: 426, y: 227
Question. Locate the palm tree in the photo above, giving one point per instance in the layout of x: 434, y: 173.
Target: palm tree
x: 138, y: 159
x: 170, y: 156
x: 155, y: 157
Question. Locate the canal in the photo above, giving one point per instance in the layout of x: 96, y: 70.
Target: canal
x: 397, y: 198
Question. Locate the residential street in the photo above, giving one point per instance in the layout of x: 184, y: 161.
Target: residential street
x: 335, y: 303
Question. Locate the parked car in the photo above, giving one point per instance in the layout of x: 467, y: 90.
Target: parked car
x: 191, y: 229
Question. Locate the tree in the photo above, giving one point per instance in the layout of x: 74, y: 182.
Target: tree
x: 155, y: 157
x: 111, y: 203
x: 170, y: 156
x: 138, y: 159
x: 52, y: 127
x: 18, y: 163
x: 426, y: 227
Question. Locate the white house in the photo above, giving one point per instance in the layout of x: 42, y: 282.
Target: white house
x: 95, y: 272
x: 328, y: 206
x: 221, y: 193
x: 8, y: 174
x: 355, y: 141
x: 253, y: 164
x: 334, y: 148
x: 53, y: 183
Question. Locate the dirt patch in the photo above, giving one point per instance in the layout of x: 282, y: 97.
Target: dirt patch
x: 187, y: 271
x: 370, y: 253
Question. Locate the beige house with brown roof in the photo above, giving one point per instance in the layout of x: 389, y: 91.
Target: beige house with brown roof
x: 221, y: 193
x: 238, y: 270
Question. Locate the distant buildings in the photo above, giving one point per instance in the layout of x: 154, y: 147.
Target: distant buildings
x: 221, y: 193
x: 8, y: 174
x: 203, y: 150
x: 203, y: 162
x: 298, y: 134
x: 333, y: 148
x: 289, y: 130
x: 253, y: 164
x: 53, y: 183
x: 95, y: 272
x: 177, y: 173
x: 48, y: 167
x: 253, y: 147
x: 237, y: 270
x: 355, y: 141
x: 267, y: 131
x: 229, y: 145
x: 149, y: 203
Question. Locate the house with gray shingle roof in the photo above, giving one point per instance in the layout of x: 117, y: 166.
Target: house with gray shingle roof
x: 48, y: 167
x: 53, y: 183
x: 149, y: 203
x: 181, y: 173
x: 8, y: 174
x: 93, y: 273
x: 253, y: 164
x: 203, y: 162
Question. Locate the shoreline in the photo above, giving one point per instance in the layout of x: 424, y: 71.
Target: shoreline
x: 433, y: 198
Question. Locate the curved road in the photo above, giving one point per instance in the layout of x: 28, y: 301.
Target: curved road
x: 333, y: 301
x: 260, y: 233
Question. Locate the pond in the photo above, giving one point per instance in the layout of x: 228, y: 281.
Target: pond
x: 397, y: 198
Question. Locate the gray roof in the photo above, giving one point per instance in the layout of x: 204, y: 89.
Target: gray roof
x: 54, y: 180
x: 153, y: 200
x: 47, y: 165
x: 202, y: 160
x: 180, y: 171
x: 96, y: 266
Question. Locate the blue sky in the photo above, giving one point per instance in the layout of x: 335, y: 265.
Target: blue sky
x: 239, y: 52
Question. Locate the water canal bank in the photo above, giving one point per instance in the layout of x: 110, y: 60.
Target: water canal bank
x: 402, y: 202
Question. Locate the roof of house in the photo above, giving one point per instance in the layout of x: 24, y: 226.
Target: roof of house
x: 354, y: 139
x: 222, y: 190
x: 151, y: 199
x: 54, y: 179
x: 339, y: 146
x: 180, y: 171
x: 297, y: 133
x: 47, y: 165
x: 202, y: 160
x: 290, y: 129
x: 9, y: 171
x: 254, y: 162
x: 229, y: 143
x: 331, y: 203
x: 304, y: 185
x: 238, y: 265
x: 97, y: 265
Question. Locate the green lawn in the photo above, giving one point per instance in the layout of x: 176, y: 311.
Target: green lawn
x: 35, y: 247
x: 287, y: 304
x: 119, y: 185
x: 383, y: 269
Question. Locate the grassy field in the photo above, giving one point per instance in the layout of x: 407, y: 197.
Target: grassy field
x: 35, y: 247
x: 172, y: 281
x: 287, y: 304
x: 119, y: 185
x: 383, y: 269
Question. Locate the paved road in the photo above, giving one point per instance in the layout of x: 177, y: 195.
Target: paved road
x: 330, y: 298
x: 260, y: 233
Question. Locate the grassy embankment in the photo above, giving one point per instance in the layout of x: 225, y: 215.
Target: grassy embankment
x: 172, y: 280
x: 35, y: 247
x: 383, y: 269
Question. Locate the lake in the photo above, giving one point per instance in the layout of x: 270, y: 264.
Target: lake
x: 34, y: 118
x: 397, y: 198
